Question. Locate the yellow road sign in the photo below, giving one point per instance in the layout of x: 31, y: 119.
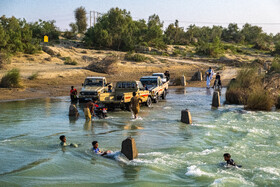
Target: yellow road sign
x: 46, y: 39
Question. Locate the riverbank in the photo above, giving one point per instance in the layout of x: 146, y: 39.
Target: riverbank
x: 54, y: 77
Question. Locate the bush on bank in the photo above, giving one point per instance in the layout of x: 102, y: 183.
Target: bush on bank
x: 11, y: 79
x: 259, y: 99
x: 248, y: 89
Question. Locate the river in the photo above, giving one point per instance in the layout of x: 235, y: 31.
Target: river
x: 170, y: 153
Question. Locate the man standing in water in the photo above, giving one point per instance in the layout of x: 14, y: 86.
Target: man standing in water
x: 135, y: 104
x: 73, y: 94
x: 89, y: 110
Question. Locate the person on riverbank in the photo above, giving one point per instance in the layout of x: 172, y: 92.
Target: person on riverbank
x: 229, y: 161
x: 135, y: 104
x: 89, y: 110
x: 73, y: 94
x: 167, y: 75
x: 218, y: 80
x: 96, y: 150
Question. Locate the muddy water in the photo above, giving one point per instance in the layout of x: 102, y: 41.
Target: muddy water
x: 170, y: 153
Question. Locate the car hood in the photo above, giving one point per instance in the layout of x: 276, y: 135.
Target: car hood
x: 91, y: 89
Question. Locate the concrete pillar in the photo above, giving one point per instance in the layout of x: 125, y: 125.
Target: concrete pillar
x: 73, y: 111
x: 129, y: 148
x: 216, y: 99
x: 186, y: 116
x: 183, y: 80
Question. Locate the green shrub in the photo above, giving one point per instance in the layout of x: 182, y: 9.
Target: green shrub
x: 214, y: 49
x: 259, y: 99
x: 33, y: 76
x: 5, y: 58
x: 176, y: 52
x: 11, y: 79
x: 136, y: 57
x: 69, y: 61
x: 275, y: 66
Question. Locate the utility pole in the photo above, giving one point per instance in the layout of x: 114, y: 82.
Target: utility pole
x: 89, y: 19
x: 93, y: 18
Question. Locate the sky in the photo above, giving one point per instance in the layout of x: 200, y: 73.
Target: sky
x: 264, y: 13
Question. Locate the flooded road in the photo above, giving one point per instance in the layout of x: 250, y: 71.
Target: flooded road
x: 170, y: 153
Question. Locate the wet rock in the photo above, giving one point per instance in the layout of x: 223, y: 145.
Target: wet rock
x: 129, y: 148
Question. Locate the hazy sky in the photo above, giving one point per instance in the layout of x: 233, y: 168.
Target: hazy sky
x: 265, y: 13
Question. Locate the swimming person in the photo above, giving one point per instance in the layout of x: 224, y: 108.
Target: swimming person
x: 135, y: 104
x: 230, y: 162
x: 63, y: 140
x: 96, y: 150
x: 64, y: 144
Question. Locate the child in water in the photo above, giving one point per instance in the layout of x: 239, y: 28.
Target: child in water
x: 96, y: 150
x: 229, y: 161
x: 63, y: 142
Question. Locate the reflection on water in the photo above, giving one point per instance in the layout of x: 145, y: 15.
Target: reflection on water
x: 170, y: 152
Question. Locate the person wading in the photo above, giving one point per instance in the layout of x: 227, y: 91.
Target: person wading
x: 89, y: 110
x: 135, y: 104
x: 73, y: 94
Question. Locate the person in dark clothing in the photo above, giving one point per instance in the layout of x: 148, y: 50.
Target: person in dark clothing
x: 230, y: 162
x: 167, y: 75
x: 218, y: 78
x: 73, y: 94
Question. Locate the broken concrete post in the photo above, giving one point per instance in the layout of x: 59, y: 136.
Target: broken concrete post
x: 199, y: 76
x: 183, y: 80
x: 216, y: 99
x: 186, y: 116
x: 129, y: 148
x: 73, y: 111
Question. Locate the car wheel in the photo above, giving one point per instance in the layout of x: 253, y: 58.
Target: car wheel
x: 149, y: 102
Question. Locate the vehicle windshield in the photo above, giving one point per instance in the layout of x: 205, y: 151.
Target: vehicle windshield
x: 159, y: 75
x: 93, y: 82
x: 149, y: 82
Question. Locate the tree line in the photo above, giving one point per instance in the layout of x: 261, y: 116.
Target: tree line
x: 117, y: 30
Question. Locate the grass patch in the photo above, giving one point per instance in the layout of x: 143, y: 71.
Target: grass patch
x: 69, y: 61
x: 33, y: 76
x: 11, y: 79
